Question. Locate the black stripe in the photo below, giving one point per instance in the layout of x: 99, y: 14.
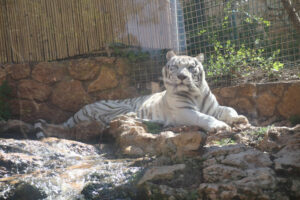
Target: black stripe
x: 185, y: 95
x: 85, y: 113
x: 204, y: 101
x: 210, y: 106
x: 187, y: 107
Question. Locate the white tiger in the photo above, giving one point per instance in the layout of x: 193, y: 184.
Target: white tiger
x: 187, y: 100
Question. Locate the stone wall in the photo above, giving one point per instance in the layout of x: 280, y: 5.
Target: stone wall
x: 55, y: 90
x: 266, y: 102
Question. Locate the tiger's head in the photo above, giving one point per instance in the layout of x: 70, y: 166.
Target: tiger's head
x: 183, y: 73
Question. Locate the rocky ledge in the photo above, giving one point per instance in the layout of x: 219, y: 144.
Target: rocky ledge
x: 173, y: 163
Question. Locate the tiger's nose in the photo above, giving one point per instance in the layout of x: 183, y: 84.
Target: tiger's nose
x: 181, y: 76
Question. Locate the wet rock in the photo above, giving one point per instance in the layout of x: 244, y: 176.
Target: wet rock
x: 25, y: 191
x: 15, y: 129
x: 161, y: 172
x: 62, y: 169
x: 65, y: 96
x: 18, y: 71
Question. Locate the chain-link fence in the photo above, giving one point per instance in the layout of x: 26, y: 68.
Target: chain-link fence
x: 243, y: 40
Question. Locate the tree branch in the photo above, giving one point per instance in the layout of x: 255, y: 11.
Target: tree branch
x: 293, y: 15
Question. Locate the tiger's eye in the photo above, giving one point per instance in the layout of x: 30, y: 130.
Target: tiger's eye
x: 173, y: 67
x: 191, y: 68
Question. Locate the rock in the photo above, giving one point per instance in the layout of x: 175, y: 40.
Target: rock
x: 26, y: 191
x: 228, y: 92
x: 70, y: 96
x: 48, y: 72
x: 15, y: 129
x: 221, y: 173
x: 132, y: 138
x: 248, y: 159
x: 187, y: 142
x: 247, y: 90
x: 243, y: 106
x: 83, y: 69
x: 105, y: 60
x: 264, y: 178
x: 266, y: 104
x: 18, y: 71
x: 288, y: 160
x: 90, y: 132
x: 156, y: 191
x: 86, y: 131
x: 106, y: 80
x: 276, y: 89
x: 124, y: 91
x: 30, y: 111
x: 122, y: 66
x: 63, y: 169
x: 289, y: 105
x: 162, y: 172
x: 30, y: 89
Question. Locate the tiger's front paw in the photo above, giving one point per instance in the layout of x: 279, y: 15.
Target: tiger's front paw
x: 241, y: 119
x: 219, y: 126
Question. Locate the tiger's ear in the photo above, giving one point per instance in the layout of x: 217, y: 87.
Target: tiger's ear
x: 200, y: 57
x: 170, y: 54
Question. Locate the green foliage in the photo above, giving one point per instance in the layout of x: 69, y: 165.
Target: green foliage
x: 260, y: 133
x: 228, y: 40
x: 225, y: 141
x: 5, y: 92
x: 233, y: 61
x: 133, y: 55
x: 153, y: 127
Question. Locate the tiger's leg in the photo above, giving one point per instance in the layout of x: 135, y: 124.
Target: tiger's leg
x: 44, y: 129
x: 195, y: 118
x: 230, y: 116
x: 84, y: 131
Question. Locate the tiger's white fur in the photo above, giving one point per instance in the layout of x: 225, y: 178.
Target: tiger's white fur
x: 187, y: 100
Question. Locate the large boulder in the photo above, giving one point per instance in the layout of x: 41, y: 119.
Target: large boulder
x: 18, y: 71
x: 30, y: 89
x: 83, y: 69
x: 106, y: 80
x: 48, y: 72
x: 133, y: 138
x: 70, y: 96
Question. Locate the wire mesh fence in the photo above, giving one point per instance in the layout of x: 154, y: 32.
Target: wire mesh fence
x: 243, y: 40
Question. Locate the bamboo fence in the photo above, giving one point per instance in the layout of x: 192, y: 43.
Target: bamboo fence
x: 45, y: 30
